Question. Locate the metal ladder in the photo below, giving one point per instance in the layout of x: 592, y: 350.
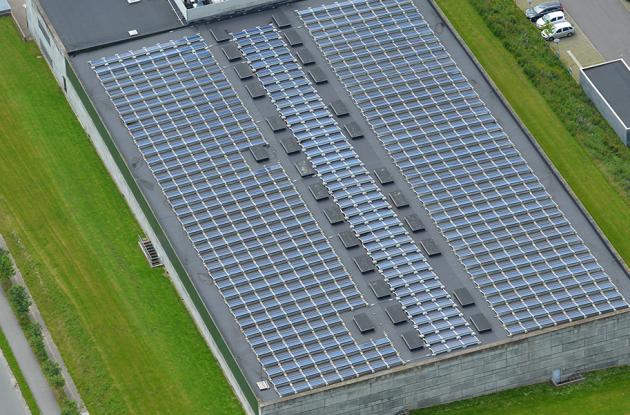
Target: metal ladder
x: 149, y: 252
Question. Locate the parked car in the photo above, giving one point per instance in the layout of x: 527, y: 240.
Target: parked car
x: 558, y: 31
x: 542, y: 9
x: 550, y: 18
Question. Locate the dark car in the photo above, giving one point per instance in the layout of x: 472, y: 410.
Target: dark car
x: 542, y: 9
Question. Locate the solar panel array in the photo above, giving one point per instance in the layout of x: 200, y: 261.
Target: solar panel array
x: 262, y: 248
x: 411, y: 278
x: 516, y: 244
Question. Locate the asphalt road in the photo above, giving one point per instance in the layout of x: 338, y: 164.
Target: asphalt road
x: 606, y: 23
x: 11, y: 401
x: 26, y: 360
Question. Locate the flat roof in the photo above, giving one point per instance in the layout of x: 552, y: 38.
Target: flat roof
x: 372, y: 154
x: 5, y: 8
x: 612, y: 80
x: 91, y: 23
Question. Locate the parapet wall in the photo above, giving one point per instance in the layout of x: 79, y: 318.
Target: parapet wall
x: 595, y: 344
x: 228, y: 8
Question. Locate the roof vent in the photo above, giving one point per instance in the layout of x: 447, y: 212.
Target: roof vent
x: 262, y: 385
x: 133, y: 33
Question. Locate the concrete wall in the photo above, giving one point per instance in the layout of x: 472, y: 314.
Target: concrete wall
x: 229, y: 8
x: 47, y: 41
x: 605, y: 109
x: 595, y: 344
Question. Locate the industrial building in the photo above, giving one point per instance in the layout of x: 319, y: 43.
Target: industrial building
x: 349, y: 211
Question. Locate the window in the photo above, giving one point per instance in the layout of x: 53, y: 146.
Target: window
x: 44, y: 31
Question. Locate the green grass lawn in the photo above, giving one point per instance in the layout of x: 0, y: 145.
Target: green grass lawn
x: 127, y: 339
x: 606, y: 202
x: 605, y: 392
x: 19, y: 376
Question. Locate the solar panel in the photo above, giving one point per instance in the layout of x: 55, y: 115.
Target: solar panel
x: 255, y: 90
x: 353, y: 130
x: 220, y: 35
x: 261, y: 246
x: 384, y: 176
x: 396, y: 314
x: 515, y: 243
x: 349, y: 239
x: 243, y: 71
x: 281, y: 20
x: 380, y: 289
x: 414, y: 223
x: 305, y: 57
x: 389, y: 246
x: 304, y: 168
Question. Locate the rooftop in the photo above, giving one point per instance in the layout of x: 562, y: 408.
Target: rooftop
x: 427, y: 195
x: 92, y: 23
x: 612, y: 80
x: 5, y: 8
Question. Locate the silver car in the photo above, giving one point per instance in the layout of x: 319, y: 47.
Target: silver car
x: 558, y: 31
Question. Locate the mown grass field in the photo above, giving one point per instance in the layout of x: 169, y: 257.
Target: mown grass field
x: 19, y: 376
x: 603, y: 392
x: 127, y: 339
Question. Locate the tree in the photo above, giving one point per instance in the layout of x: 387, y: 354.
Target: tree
x: 6, y: 267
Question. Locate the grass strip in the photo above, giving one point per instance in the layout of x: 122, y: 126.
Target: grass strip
x: 604, y: 392
x: 19, y: 376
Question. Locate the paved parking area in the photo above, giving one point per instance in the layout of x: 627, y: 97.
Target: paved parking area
x: 575, y: 51
x: 606, y: 23
x: 603, y: 31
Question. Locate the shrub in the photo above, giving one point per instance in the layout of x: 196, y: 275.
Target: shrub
x: 53, y: 373
x: 19, y: 300
x: 69, y: 408
x: 35, y: 339
x: 6, y: 267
